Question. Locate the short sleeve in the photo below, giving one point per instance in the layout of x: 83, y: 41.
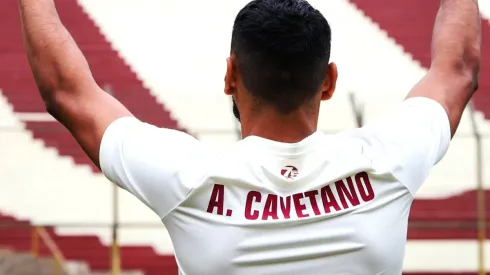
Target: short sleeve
x: 410, y: 142
x: 146, y: 160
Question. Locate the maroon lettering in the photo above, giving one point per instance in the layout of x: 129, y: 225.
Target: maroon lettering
x: 251, y: 196
x: 349, y: 193
x: 270, y: 209
x: 347, y: 196
x: 217, y: 199
x: 364, y: 186
x: 328, y: 199
x: 286, y: 206
x: 314, y: 205
x: 299, y: 206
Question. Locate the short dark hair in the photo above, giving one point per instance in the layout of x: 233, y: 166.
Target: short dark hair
x: 282, y: 49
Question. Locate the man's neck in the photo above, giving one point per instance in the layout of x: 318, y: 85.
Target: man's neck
x: 290, y: 128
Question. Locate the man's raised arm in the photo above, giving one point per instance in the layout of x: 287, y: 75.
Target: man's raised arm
x: 456, y: 48
x: 64, y: 78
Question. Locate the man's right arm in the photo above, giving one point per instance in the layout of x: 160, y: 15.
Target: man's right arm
x: 456, y: 49
x: 141, y: 158
x: 63, y: 77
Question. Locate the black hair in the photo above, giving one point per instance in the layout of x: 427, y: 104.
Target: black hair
x: 282, y: 49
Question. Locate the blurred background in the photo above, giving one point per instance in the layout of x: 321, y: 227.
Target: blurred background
x: 165, y: 60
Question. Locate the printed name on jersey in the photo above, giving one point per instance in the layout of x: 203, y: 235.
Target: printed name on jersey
x: 343, y: 194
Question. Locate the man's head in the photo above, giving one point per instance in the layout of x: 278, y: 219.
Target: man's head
x: 280, y: 53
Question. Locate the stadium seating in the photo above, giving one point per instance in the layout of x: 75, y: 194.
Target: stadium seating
x: 138, y: 52
x: 415, y: 37
x: 18, y: 88
x: 17, y: 234
x: 21, y: 263
x: 109, y: 70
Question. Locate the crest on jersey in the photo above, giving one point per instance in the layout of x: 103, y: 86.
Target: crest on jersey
x: 289, y: 172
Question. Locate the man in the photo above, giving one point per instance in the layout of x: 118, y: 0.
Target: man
x: 286, y: 199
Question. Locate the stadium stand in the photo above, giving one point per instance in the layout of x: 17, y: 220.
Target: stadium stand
x: 18, y: 234
x: 21, y: 263
x: 138, y: 52
x: 415, y: 37
x: 15, y: 263
x: 109, y: 70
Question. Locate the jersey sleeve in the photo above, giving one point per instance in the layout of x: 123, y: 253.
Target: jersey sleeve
x: 409, y: 143
x: 146, y: 160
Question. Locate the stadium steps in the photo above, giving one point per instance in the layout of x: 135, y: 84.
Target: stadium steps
x: 25, y: 264
x: 410, y: 24
x: 446, y: 218
x: 108, y: 68
x: 17, y: 234
x: 22, y: 263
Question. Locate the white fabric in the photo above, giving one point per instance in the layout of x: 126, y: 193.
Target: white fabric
x: 330, y: 204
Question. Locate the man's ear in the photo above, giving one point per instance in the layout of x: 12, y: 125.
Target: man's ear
x: 230, y: 77
x: 330, y: 83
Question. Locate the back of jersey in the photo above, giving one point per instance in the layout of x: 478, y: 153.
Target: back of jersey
x: 273, y: 208
x: 330, y: 204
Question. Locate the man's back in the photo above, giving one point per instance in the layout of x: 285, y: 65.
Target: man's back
x: 247, y: 218
x: 330, y: 202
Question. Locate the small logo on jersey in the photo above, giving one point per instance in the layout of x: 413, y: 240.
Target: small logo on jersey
x: 289, y: 172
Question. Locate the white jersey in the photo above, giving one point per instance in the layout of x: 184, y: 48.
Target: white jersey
x: 330, y: 204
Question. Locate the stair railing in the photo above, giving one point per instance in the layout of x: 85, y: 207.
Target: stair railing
x: 39, y: 234
x: 357, y: 107
x: 480, y: 199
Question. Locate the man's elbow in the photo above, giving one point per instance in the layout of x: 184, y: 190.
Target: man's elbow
x: 468, y: 79
x: 463, y: 72
x: 471, y: 73
x: 53, y: 103
x: 57, y: 94
x: 52, y: 107
x: 471, y: 64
